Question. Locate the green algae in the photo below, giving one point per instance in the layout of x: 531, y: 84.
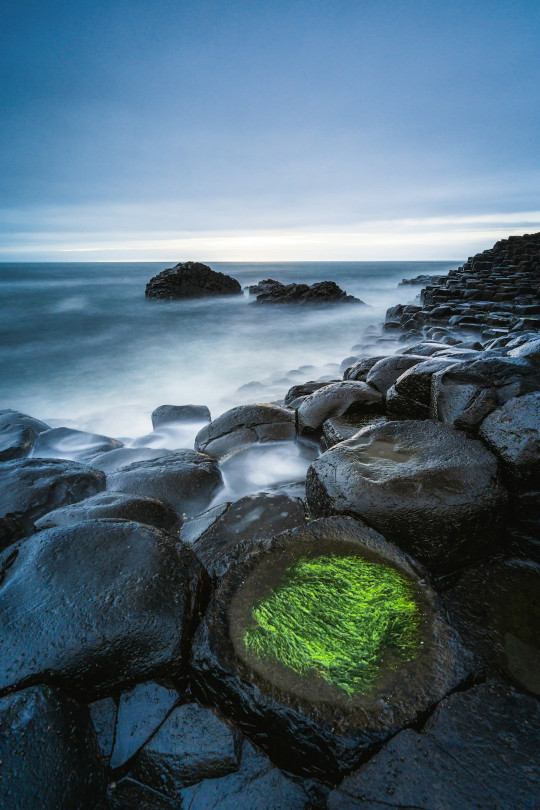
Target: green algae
x: 335, y: 617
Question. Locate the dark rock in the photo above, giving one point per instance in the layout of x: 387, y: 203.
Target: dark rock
x: 302, y: 390
x: 11, y: 530
x: 48, y: 752
x: 113, y: 505
x: 185, y: 480
x: 426, y: 348
x: 256, y: 785
x: 422, y: 279
x: 359, y: 370
x: 140, y: 712
x: 244, y: 425
x: 410, y: 395
x: 29, y: 488
x: 341, y: 428
x: 128, y: 794
x: 496, y: 608
x: 336, y: 400
x: 115, y: 460
x: 96, y: 606
x: 103, y: 714
x: 18, y: 433
x: 191, y: 745
x: 385, y: 373
x: 323, y: 292
x: 179, y: 413
x: 513, y: 434
x: 214, y: 538
x: 466, y: 393
x: 476, y: 752
x: 527, y: 351
x: 76, y: 445
x: 307, y: 725
x: 425, y: 486
x: 191, y: 280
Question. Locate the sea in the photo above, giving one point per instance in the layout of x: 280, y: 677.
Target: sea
x: 81, y: 346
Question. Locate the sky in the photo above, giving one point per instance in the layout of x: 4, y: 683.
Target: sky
x: 264, y: 131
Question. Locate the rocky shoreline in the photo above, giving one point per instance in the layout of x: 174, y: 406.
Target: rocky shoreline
x: 127, y: 594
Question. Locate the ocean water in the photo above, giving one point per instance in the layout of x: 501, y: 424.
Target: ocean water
x: 81, y: 346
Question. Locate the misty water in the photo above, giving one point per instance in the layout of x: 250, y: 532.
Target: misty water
x: 81, y: 346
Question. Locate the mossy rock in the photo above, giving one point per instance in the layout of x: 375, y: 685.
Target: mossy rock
x: 323, y: 643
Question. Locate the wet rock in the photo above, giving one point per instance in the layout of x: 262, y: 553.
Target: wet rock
x: 115, y: 460
x: 513, y: 434
x: 497, y: 611
x: 476, y: 752
x: 179, y: 413
x: 305, y: 723
x: 425, y: 486
x: 128, y: 794
x: 410, y: 395
x: 345, y: 427
x: 359, y: 370
x: 256, y: 785
x: 385, y: 373
x: 140, y: 712
x: 244, y: 425
x: 103, y: 714
x: 113, y: 505
x: 426, y: 348
x: 336, y: 400
x: 302, y: 390
x: 76, y: 445
x: 529, y: 350
x: 11, y: 530
x: 215, y: 537
x: 191, y: 745
x: 49, y: 754
x: 185, y: 480
x: 96, y: 606
x: 191, y: 280
x: 466, y: 393
x: 323, y: 292
x: 29, y: 488
x: 18, y: 433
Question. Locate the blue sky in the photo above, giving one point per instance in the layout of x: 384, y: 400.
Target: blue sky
x: 351, y: 129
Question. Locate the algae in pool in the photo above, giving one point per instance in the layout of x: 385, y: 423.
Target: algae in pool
x: 335, y: 616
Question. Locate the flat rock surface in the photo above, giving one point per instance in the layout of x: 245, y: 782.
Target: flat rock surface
x: 113, y: 505
x: 245, y: 425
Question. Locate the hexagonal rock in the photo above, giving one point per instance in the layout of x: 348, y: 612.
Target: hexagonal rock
x: 305, y: 721
x: 185, y: 480
x: 49, y: 753
x: 18, y: 433
x: 410, y: 395
x: 336, y: 400
x: 244, y: 425
x: 513, y: 434
x: 385, y: 373
x: 77, y: 445
x: 166, y: 414
x: 496, y: 608
x: 427, y: 487
x: 340, y: 428
x: 96, y: 606
x: 359, y: 370
x: 29, y: 488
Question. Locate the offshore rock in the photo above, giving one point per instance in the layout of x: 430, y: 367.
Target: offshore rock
x: 49, y: 753
x: 191, y: 280
x: 185, y: 480
x: 29, y: 488
x: 113, y: 505
x: 18, y: 433
x: 323, y: 292
x: 95, y: 606
x: 307, y: 725
x: 245, y: 425
x: 425, y: 486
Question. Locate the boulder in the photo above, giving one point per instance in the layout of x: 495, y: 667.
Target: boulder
x: 10, y: 531
x: 191, y: 280
x: 410, y: 395
x: 496, y: 609
x: 359, y: 370
x: 475, y: 752
x: 302, y: 390
x: 185, y: 480
x: 103, y: 713
x: 76, y: 445
x: 244, y: 425
x: 113, y: 505
x: 311, y: 701
x: 425, y: 486
x: 512, y: 432
x: 529, y: 350
x: 128, y: 794
x: 96, y: 606
x: 215, y: 536
x: 114, y: 460
x: 49, y: 753
x: 18, y: 433
x: 384, y: 374
x: 340, y: 428
x: 323, y: 292
x: 335, y: 400
x: 192, y: 744
x: 179, y: 413
x: 29, y: 488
